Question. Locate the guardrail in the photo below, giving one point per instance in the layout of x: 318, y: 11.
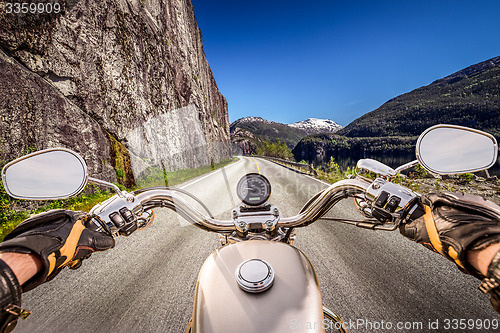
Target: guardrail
x: 308, y: 167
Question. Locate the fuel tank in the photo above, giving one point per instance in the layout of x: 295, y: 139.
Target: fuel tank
x: 292, y: 303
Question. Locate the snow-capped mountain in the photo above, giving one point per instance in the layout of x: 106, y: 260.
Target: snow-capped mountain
x: 250, y: 132
x: 314, y: 126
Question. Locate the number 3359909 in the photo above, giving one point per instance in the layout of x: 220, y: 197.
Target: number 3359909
x: 32, y: 8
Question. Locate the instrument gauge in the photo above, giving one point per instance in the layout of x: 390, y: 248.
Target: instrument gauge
x: 253, y: 189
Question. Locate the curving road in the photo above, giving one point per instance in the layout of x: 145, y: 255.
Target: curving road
x: 146, y: 284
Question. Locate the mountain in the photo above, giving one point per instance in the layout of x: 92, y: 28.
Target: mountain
x: 250, y: 132
x: 269, y: 130
x: 316, y: 126
x: 126, y: 85
x: 469, y: 97
x: 319, y: 148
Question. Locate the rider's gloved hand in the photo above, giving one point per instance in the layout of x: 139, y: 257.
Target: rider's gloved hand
x: 454, y: 224
x: 60, y: 238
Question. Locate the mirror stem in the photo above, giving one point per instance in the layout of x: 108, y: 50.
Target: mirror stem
x: 104, y: 183
x: 406, y: 166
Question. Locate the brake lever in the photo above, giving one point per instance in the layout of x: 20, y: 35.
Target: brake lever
x: 366, y: 224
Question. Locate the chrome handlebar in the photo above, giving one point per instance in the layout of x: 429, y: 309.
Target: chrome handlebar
x: 144, y: 200
x: 169, y: 199
x: 325, y: 201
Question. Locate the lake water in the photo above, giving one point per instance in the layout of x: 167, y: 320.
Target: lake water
x: 394, y: 161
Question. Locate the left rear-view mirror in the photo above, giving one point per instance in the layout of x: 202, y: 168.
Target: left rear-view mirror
x: 45, y: 175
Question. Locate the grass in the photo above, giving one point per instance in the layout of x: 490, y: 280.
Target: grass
x: 157, y: 177
x: 11, y: 215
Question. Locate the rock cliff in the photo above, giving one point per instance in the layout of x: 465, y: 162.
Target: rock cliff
x: 123, y: 82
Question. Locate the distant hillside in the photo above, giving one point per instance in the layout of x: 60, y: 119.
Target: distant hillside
x: 250, y: 132
x: 269, y: 130
x: 319, y: 148
x: 470, y: 97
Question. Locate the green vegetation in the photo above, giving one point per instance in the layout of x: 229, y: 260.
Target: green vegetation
x: 155, y: 176
x: 467, y: 176
x: 120, y: 173
x: 331, y: 172
x: 274, y: 149
x: 418, y: 172
x: 121, y: 163
x: 13, y: 212
x: 334, y: 145
x: 9, y: 217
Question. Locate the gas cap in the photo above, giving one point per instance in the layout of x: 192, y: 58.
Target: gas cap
x: 255, y: 275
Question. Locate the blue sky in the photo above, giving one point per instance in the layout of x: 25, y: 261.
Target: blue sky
x: 290, y: 60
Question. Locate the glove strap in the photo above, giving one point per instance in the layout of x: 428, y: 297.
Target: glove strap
x: 492, y: 280
x: 10, y: 299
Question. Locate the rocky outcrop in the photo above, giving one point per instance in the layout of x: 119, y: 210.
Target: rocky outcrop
x: 244, y: 141
x: 123, y: 82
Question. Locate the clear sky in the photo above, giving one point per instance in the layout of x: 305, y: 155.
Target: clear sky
x: 291, y: 60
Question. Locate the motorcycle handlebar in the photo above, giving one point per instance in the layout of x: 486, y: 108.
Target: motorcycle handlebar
x: 169, y: 199
x: 325, y: 201
x: 318, y: 206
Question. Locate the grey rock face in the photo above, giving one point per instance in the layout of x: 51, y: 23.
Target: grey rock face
x: 180, y: 131
x: 112, y: 68
x: 34, y: 115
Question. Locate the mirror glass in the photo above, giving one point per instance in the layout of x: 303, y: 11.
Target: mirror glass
x: 448, y: 149
x: 46, y: 174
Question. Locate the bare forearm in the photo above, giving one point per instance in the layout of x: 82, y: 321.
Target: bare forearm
x: 24, y: 266
x: 481, y: 259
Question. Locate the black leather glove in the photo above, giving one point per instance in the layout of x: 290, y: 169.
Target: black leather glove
x: 10, y: 299
x: 454, y: 224
x: 60, y: 238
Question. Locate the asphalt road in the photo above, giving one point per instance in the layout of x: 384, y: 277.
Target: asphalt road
x: 146, y: 284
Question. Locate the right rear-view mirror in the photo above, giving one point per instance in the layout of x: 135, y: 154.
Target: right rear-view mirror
x: 451, y: 149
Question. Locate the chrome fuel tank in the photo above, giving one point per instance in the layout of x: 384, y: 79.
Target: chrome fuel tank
x: 292, y: 303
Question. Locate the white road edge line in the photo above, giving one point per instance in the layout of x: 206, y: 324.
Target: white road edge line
x: 316, y: 179
x: 211, y: 173
x: 319, y: 180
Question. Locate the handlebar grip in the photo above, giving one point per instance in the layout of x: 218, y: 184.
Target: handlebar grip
x: 417, y: 212
x: 98, y: 225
